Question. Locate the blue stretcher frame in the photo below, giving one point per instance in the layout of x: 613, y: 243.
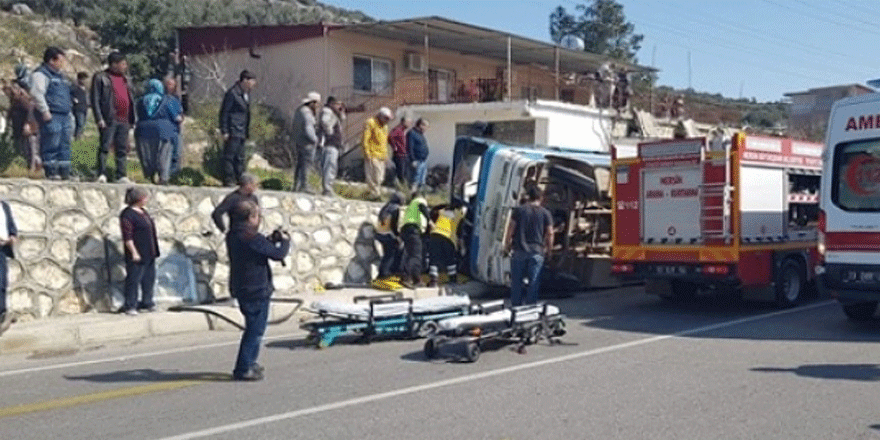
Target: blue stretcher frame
x: 324, y: 330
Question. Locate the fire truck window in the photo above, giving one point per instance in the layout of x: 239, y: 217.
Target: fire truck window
x: 855, y: 183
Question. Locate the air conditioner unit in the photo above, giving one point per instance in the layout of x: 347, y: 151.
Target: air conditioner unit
x: 415, y: 62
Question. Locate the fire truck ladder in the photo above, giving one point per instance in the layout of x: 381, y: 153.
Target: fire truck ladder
x: 712, y: 213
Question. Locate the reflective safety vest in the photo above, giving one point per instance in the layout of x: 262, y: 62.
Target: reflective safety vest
x: 447, y: 224
x: 413, y: 214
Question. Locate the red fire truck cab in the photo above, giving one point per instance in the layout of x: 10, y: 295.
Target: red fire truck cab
x: 734, y: 214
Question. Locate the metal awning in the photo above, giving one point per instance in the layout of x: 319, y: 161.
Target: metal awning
x: 468, y: 39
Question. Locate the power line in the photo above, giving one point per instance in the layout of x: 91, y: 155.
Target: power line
x: 820, y: 17
x: 757, y: 33
x: 739, y: 49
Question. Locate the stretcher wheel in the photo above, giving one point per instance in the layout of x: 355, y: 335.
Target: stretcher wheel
x: 472, y: 352
x: 428, y: 329
x: 534, y: 334
x: 430, y: 349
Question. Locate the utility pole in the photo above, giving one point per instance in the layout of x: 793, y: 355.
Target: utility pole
x: 690, y: 85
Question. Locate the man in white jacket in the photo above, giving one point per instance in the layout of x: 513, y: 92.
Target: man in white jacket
x: 305, y: 139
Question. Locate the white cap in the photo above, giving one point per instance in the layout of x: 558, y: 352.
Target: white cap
x: 312, y: 97
x: 385, y: 111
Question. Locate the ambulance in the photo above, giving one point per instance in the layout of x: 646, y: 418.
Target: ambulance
x: 736, y: 214
x: 849, y: 216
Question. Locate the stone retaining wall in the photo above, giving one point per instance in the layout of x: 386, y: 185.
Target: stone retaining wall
x: 69, y: 240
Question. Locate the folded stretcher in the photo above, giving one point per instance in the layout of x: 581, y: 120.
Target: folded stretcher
x: 523, y: 325
x: 385, y: 315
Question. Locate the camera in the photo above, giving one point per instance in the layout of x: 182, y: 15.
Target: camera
x: 279, y: 235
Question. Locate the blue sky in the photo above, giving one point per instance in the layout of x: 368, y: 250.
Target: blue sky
x: 749, y: 48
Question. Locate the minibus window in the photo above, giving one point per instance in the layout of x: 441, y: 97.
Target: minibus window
x: 855, y: 184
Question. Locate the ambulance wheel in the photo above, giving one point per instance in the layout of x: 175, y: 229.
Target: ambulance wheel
x: 428, y: 329
x: 430, y: 348
x: 860, y: 311
x: 789, y: 283
x: 472, y: 352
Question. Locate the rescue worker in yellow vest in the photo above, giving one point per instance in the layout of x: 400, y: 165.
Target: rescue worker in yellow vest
x: 416, y: 220
x: 443, y: 243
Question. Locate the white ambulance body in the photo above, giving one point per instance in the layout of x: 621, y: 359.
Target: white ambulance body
x: 849, y: 220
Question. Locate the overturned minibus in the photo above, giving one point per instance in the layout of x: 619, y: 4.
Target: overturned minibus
x: 490, y: 177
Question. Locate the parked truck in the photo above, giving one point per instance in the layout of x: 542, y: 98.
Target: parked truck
x: 736, y: 215
x: 491, y: 178
x: 849, y: 216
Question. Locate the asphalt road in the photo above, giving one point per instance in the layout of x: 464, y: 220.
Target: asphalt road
x: 631, y: 367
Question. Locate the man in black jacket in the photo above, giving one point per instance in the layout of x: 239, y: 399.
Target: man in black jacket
x: 235, y: 120
x: 250, y: 282
x: 113, y: 107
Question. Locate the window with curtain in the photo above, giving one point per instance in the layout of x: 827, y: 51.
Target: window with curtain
x: 372, y: 75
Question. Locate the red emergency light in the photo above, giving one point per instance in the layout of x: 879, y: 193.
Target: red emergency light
x: 622, y: 268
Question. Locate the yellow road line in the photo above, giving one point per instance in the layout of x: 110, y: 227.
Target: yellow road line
x: 67, y: 402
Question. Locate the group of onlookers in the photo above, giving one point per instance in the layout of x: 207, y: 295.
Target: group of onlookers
x: 48, y: 111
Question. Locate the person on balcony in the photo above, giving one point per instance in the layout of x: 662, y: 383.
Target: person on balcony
x: 397, y: 138
x: 305, y: 138
x: 418, y: 153
x: 375, y: 142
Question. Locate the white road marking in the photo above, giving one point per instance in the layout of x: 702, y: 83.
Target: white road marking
x: 477, y: 376
x: 136, y: 356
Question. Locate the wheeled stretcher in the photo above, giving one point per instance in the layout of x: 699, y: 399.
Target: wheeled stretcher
x: 384, y: 315
x: 522, y: 325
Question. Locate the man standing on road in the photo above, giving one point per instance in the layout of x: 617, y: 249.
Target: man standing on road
x: 235, y: 121
x: 250, y: 282
x: 113, y: 108
x: 330, y: 126
x: 51, y: 92
x: 418, y: 153
x: 8, y: 232
x: 397, y: 139
x: 305, y: 139
x: 247, y: 187
x: 530, y: 237
x: 375, y: 142
x: 80, y: 104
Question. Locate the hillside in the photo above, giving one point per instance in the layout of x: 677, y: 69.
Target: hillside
x: 24, y: 37
x: 768, y: 117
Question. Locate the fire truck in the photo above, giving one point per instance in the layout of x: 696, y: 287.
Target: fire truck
x: 736, y: 214
x: 849, y: 220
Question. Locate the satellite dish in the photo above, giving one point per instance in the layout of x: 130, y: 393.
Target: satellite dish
x: 572, y: 42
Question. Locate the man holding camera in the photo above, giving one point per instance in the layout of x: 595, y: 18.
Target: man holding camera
x: 250, y: 281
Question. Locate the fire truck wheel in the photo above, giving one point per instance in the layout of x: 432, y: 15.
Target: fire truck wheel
x: 789, y: 283
x: 860, y: 311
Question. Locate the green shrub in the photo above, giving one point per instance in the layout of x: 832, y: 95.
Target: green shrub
x: 188, y: 177
x: 275, y: 183
x: 7, y: 151
x: 274, y: 180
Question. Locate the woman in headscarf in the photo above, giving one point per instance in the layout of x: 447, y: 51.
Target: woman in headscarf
x: 154, y: 133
